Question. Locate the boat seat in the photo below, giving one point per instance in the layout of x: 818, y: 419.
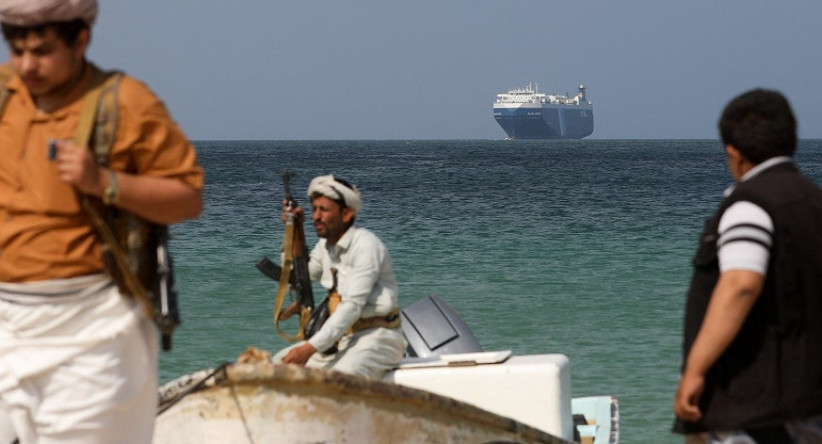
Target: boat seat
x: 433, y: 328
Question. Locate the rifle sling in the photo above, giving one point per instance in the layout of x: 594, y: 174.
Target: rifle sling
x: 136, y: 288
x: 82, y: 136
x: 285, y: 272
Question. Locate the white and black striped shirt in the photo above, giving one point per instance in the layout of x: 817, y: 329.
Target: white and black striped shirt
x: 746, y: 230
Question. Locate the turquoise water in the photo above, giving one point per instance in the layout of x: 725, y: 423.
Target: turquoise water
x: 574, y: 247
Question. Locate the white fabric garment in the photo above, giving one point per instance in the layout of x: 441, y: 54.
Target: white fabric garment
x: 369, y: 353
x: 745, y: 229
x: 365, y: 281
x: 368, y: 288
x: 745, y: 238
x: 331, y: 188
x: 77, y: 367
x: 38, y: 12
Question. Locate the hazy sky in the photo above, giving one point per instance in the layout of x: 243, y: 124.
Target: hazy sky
x: 430, y: 69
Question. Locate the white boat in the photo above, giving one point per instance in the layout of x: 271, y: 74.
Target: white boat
x: 438, y: 396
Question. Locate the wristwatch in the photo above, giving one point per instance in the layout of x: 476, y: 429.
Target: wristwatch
x: 111, y: 194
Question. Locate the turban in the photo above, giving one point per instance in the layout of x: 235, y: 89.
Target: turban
x: 38, y: 12
x: 336, y: 189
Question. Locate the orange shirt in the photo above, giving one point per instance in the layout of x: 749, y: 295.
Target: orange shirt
x: 44, y: 232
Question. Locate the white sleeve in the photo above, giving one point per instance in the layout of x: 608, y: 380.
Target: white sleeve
x: 745, y: 238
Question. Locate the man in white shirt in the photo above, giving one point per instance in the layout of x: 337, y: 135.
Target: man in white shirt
x: 362, y: 336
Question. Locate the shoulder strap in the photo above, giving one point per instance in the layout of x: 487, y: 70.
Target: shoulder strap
x: 285, y: 272
x: 6, y: 73
x: 106, y: 121
x: 99, y: 115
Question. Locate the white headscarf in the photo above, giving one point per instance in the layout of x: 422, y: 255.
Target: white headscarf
x: 38, y: 12
x: 336, y: 190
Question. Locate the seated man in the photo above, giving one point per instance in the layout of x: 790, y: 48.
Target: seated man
x: 365, y: 326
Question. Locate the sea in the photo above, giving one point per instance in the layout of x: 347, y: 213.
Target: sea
x: 578, y: 247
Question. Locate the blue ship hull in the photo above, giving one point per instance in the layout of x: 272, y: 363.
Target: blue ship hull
x: 564, y: 122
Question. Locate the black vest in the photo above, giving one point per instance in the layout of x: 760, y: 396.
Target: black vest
x: 772, y: 371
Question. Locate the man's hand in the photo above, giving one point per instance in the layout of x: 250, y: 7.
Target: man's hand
x: 686, y: 403
x: 77, y: 167
x: 299, y: 213
x: 299, y: 354
x: 289, y: 311
x: 734, y: 296
x: 162, y: 200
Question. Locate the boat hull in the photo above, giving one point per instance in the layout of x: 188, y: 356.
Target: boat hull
x: 550, y: 122
x: 268, y: 403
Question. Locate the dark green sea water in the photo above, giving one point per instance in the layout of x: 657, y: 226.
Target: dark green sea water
x: 574, y: 247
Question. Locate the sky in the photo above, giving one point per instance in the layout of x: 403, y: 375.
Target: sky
x: 431, y: 69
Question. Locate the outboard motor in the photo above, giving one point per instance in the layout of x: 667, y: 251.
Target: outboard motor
x: 433, y: 328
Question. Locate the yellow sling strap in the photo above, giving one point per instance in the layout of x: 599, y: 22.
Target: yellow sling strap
x: 105, y: 123
x: 99, y: 114
x: 85, y: 125
x: 285, y: 273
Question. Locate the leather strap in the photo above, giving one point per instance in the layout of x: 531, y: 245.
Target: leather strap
x: 82, y: 137
x: 391, y: 320
x: 105, y: 122
x: 85, y: 125
x: 285, y: 273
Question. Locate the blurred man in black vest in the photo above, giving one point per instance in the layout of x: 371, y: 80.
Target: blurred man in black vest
x: 753, y: 339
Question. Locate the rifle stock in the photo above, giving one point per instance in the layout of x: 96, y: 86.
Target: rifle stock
x: 269, y: 268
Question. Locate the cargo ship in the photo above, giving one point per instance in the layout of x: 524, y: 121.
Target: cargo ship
x: 527, y: 113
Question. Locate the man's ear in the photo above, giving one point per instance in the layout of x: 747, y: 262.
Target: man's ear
x: 347, y: 215
x: 81, y: 44
x: 732, y: 153
x: 737, y: 162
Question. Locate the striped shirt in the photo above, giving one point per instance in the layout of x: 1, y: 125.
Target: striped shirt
x: 746, y: 230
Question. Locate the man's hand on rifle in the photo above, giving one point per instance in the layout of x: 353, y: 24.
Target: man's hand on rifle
x: 289, y: 311
x: 299, y: 212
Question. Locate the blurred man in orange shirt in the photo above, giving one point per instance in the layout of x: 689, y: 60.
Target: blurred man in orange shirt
x: 77, y: 358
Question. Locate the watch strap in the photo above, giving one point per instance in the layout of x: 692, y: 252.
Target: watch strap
x: 112, y: 192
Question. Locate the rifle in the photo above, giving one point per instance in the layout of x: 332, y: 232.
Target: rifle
x: 135, y: 253
x: 166, y: 312
x: 294, y: 272
x: 136, y: 256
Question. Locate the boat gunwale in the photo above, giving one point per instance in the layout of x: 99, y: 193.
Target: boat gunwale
x: 300, y: 379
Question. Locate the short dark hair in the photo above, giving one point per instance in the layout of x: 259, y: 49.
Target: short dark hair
x: 760, y: 124
x: 66, y: 31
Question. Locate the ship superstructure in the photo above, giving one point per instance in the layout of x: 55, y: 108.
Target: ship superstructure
x: 527, y: 113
